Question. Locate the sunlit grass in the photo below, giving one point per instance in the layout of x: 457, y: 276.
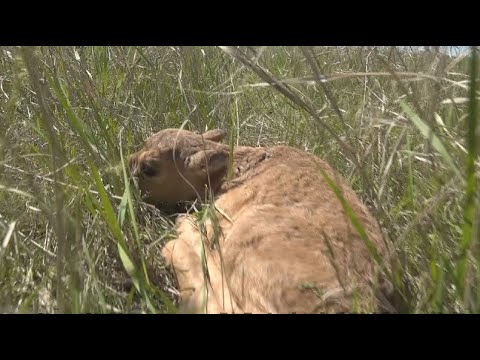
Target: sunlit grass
x: 74, y: 237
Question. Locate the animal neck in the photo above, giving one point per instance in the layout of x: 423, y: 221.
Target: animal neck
x: 245, y: 161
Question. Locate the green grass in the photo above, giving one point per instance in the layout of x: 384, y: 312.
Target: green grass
x: 401, y: 126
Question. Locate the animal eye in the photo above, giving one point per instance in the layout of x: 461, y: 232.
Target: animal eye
x: 148, y: 170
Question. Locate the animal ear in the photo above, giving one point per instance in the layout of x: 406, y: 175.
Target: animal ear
x: 214, y: 160
x: 216, y: 135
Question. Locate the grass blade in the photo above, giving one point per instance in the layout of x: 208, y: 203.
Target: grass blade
x: 471, y: 184
x: 428, y: 133
x: 109, y: 217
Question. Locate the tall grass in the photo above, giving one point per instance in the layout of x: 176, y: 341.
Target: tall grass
x: 400, y: 125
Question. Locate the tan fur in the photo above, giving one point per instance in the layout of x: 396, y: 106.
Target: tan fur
x: 277, y: 227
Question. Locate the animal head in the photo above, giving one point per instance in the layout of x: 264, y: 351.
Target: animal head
x: 175, y: 165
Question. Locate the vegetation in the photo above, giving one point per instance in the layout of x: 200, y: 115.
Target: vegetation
x: 399, y: 123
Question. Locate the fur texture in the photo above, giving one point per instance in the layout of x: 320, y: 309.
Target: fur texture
x: 278, y: 241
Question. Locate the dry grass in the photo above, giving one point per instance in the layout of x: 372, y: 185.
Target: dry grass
x: 399, y: 124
